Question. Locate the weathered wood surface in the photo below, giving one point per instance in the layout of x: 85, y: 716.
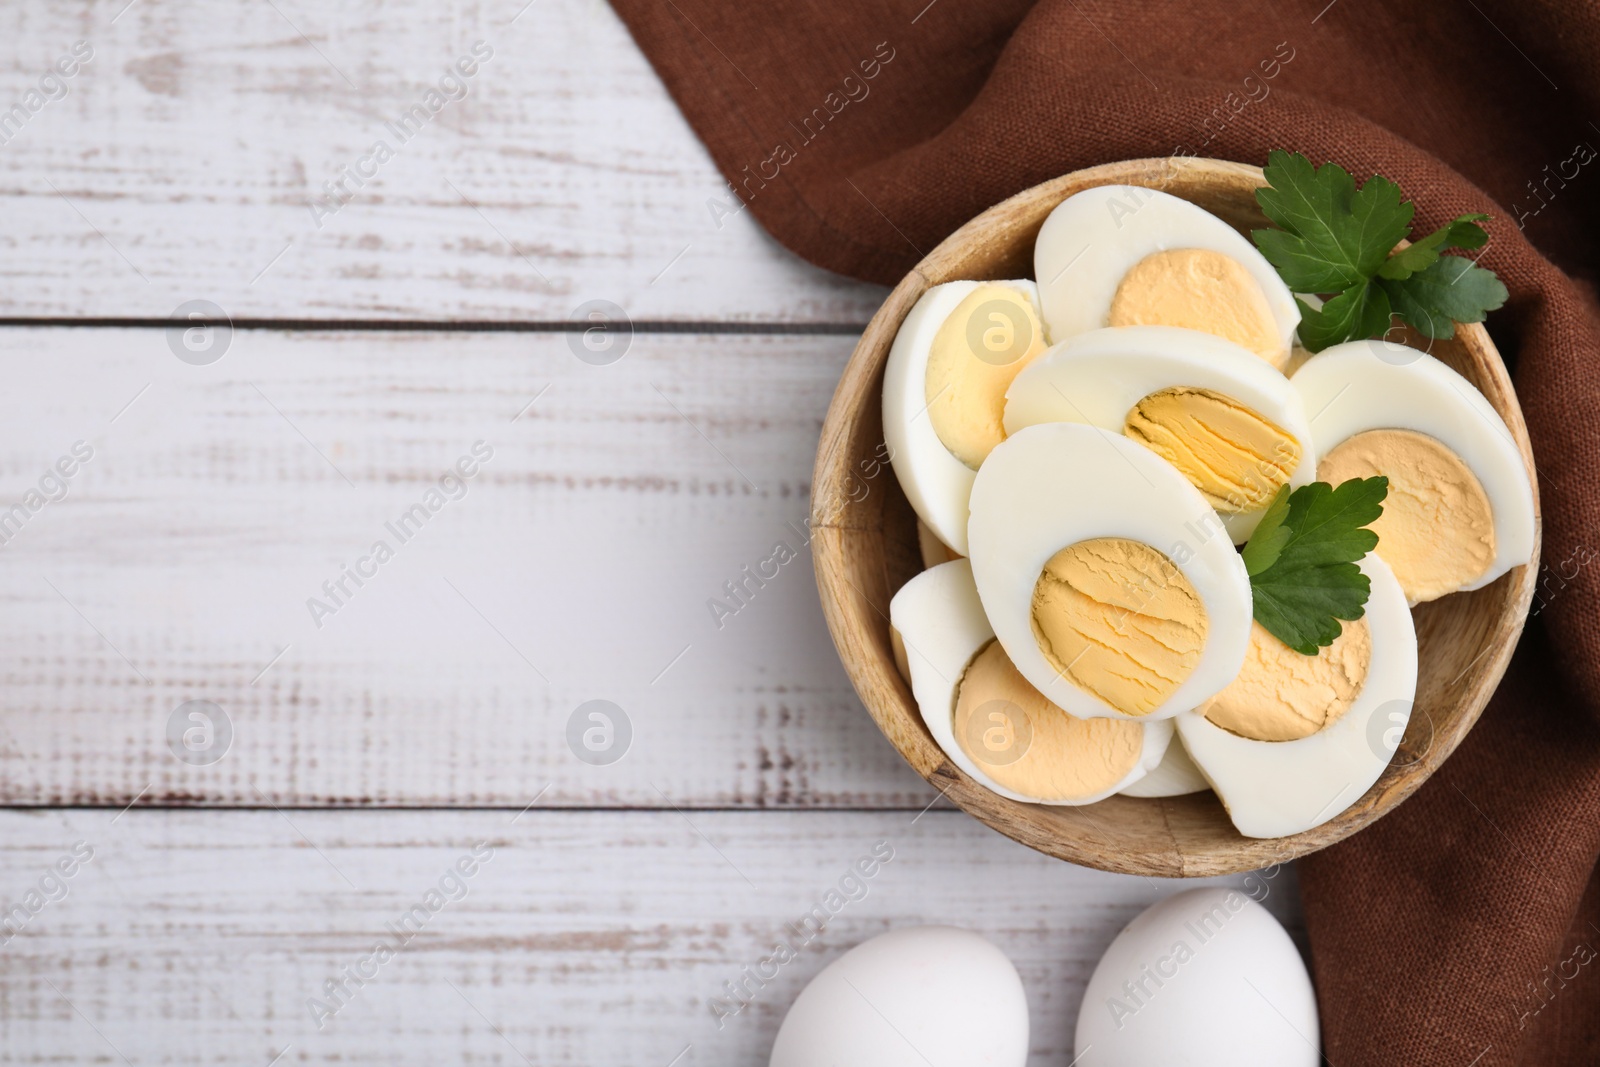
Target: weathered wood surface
x: 595, y: 938
x: 181, y: 162
x: 578, y: 566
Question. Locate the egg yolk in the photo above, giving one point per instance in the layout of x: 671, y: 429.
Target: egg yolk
x: 1200, y: 290
x: 1118, y: 619
x: 1281, y: 695
x: 979, y: 349
x: 1437, y: 529
x: 1024, y: 742
x: 1235, y: 457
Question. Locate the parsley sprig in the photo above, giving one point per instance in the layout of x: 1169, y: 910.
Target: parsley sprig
x: 1338, y: 241
x: 1302, y: 560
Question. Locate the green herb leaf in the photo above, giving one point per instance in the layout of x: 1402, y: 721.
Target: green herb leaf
x: 1336, y: 240
x: 1303, y: 573
x: 1332, y: 236
x: 1360, y: 311
x: 1266, y: 543
x: 1451, y: 290
x: 1461, y: 232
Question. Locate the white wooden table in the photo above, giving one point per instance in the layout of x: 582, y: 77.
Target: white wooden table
x: 226, y: 869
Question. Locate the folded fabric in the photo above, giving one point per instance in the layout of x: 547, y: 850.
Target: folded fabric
x: 1463, y: 928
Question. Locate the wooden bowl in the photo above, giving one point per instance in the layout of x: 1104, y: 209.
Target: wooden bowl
x: 865, y: 546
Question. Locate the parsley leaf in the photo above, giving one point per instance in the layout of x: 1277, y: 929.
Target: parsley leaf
x: 1331, y: 236
x: 1362, y: 310
x: 1339, y: 241
x: 1302, y: 560
x: 1271, y: 534
x: 1461, y: 232
x: 1449, y: 291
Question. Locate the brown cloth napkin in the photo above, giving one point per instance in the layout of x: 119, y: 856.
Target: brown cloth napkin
x: 1464, y: 928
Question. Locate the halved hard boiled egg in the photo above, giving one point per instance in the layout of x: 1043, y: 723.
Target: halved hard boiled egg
x: 1121, y: 255
x: 1175, y: 776
x: 991, y: 723
x: 1295, y: 739
x: 1459, y: 513
x: 1107, y: 577
x: 1233, y: 426
x: 944, y: 391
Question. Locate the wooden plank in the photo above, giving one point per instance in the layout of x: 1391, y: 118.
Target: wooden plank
x: 598, y: 938
x: 182, y: 161
x: 577, y: 566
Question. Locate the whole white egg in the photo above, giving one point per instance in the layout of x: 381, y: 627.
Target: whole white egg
x: 909, y: 998
x: 1205, y: 978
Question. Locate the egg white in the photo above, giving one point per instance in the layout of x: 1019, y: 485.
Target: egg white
x: 1099, y: 376
x: 935, y: 482
x: 1052, y: 485
x: 1093, y: 238
x: 1278, y: 788
x: 942, y: 627
x: 1175, y: 776
x: 932, y: 550
x: 1377, y: 385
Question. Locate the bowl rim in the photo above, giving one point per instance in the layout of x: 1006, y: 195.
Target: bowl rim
x: 886, y: 696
